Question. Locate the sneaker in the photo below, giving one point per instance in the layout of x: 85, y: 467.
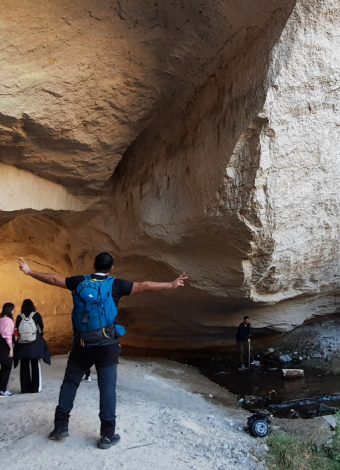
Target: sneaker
x: 88, y: 379
x: 242, y: 367
x: 106, y: 442
x: 58, y: 433
x: 255, y: 363
x: 7, y: 393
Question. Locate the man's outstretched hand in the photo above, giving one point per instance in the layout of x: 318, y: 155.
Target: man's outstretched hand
x: 23, y: 266
x: 179, y: 282
x: 148, y: 286
x: 47, y: 278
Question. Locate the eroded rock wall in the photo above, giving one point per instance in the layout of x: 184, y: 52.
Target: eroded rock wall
x: 224, y: 123
x: 258, y: 229
x: 82, y: 79
x: 296, y: 186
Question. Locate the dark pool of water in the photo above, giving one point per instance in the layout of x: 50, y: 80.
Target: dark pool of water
x: 265, y: 388
x: 262, y: 387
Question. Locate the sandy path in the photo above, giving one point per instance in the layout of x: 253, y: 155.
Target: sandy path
x: 162, y: 424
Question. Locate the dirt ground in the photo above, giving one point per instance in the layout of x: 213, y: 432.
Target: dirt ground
x: 168, y: 416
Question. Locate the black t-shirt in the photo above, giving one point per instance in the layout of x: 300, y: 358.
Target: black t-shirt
x: 99, y: 355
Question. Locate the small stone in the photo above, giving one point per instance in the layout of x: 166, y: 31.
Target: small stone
x: 285, y: 358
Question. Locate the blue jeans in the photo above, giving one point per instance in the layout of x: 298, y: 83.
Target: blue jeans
x: 107, y: 378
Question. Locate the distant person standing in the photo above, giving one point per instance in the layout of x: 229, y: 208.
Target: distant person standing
x: 6, y: 346
x: 243, y: 343
x: 30, y: 347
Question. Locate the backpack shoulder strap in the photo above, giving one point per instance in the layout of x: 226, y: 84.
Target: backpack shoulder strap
x: 31, y: 318
x: 31, y: 315
x: 23, y: 316
x: 108, y: 283
x: 38, y: 326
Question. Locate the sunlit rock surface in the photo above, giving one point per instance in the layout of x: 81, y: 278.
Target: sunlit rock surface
x: 180, y: 137
x: 24, y: 190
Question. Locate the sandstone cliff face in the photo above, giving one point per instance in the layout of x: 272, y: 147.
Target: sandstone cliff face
x: 224, y: 123
x: 81, y: 80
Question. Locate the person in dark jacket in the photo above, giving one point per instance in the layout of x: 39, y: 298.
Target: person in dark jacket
x: 243, y: 343
x: 30, y: 353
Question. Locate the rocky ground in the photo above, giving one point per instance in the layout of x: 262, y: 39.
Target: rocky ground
x: 168, y: 416
x: 314, y: 345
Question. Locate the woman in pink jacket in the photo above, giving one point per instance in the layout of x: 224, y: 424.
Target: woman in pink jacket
x: 6, y: 346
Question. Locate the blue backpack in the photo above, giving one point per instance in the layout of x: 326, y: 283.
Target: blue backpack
x: 94, y: 311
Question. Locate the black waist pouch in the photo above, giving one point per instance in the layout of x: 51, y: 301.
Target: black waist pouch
x: 102, y: 336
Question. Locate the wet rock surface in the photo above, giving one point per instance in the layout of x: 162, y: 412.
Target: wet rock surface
x: 315, y: 345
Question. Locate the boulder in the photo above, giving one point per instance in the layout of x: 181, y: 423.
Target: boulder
x: 293, y: 373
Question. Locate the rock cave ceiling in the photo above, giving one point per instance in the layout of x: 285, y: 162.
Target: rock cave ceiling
x: 180, y: 136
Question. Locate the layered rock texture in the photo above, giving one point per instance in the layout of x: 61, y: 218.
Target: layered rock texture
x: 182, y: 137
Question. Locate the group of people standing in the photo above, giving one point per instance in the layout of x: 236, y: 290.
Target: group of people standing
x: 95, y: 342
x: 22, y: 342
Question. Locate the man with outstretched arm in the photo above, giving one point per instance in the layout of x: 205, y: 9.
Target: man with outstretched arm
x: 96, y: 337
